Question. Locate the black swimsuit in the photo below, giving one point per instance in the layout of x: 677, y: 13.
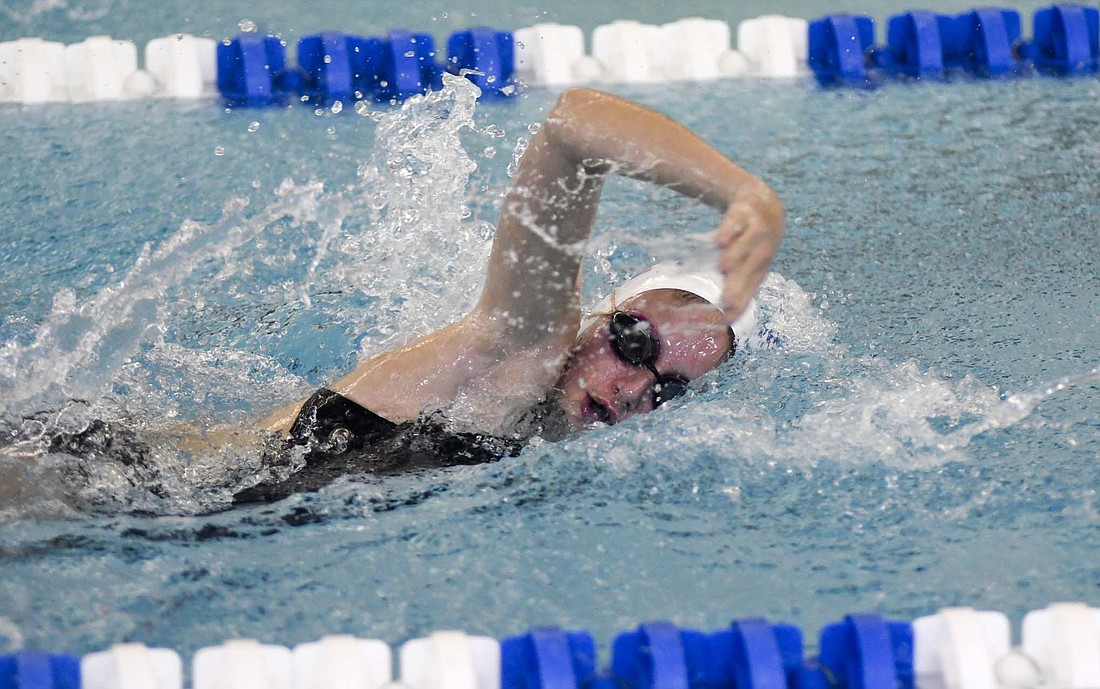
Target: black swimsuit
x: 343, y: 437
x: 340, y: 437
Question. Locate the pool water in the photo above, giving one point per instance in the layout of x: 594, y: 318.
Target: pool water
x: 925, y: 433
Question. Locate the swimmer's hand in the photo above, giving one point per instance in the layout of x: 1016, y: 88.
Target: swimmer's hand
x: 747, y: 239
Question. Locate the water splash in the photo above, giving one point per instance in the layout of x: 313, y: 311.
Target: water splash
x: 415, y: 186
x: 1016, y: 408
x: 400, y: 236
x: 80, y: 346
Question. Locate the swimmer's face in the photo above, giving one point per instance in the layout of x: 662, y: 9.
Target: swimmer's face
x: 690, y: 337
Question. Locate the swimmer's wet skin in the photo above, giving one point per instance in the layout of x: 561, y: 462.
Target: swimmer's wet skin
x: 521, y: 360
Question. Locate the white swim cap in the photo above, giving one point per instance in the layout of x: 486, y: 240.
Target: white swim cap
x: 704, y: 282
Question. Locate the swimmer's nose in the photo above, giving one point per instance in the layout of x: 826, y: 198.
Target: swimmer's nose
x: 632, y: 391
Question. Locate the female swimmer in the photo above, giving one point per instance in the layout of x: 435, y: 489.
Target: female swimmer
x: 522, y: 363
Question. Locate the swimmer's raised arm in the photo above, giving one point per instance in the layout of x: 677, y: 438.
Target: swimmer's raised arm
x: 518, y: 337
x: 550, y: 207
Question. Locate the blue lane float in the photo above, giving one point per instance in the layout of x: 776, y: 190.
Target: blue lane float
x: 333, y: 66
x: 249, y: 70
x: 486, y: 56
x: 750, y: 654
x: 33, y: 670
x: 655, y: 656
x: 763, y: 655
x: 863, y: 651
x: 915, y: 45
x: 838, y: 49
x: 547, y: 658
x: 926, y: 45
x: 1066, y: 40
x: 985, y: 43
x: 408, y: 65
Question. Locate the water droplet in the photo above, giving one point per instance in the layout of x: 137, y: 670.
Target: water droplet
x: 337, y: 107
x: 247, y: 26
x: 219, y: 150
x: 443, y: 14
x: 410, y: 53
x: 362, y: 108
x: 328, y: 59
x: 331, y: 131
x: 253, y: 126
x: 319, y: 112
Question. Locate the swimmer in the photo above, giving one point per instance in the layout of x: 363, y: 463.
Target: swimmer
x: 522, y: 362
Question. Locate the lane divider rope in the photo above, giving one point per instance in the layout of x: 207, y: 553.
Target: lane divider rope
x: 838, y: 50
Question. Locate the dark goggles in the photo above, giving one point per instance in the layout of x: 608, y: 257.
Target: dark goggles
x: 632, y: 339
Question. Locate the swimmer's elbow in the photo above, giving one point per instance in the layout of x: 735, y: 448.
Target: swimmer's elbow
x: 568, y: 125
x: 572, y: 98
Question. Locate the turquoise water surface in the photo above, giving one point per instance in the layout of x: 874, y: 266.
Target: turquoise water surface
x: 925, y: 434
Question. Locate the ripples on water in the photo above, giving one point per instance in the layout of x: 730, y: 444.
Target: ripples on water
x: 847, y: 464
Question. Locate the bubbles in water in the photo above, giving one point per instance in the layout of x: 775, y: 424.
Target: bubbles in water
x: 247, y: 26
x: 517, y: 153
x: 219, y: 150
x: 253, y: 127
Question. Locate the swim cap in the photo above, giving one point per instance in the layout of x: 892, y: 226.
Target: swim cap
x: 705, y: 283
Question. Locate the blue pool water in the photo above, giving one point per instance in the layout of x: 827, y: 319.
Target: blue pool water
x: 927, y: 433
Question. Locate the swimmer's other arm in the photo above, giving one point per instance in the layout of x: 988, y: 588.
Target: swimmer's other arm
x: 525, y: 322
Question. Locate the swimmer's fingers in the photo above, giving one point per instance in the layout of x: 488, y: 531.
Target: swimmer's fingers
x: 733, y: 226
x: 747, y: 240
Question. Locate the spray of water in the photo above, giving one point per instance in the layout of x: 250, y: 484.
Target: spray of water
x: 400, y: 235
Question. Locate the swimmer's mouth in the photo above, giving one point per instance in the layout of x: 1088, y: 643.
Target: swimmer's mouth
x: 599, y: 411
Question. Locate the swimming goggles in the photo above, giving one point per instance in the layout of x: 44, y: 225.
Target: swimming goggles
x: 632, y: 339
